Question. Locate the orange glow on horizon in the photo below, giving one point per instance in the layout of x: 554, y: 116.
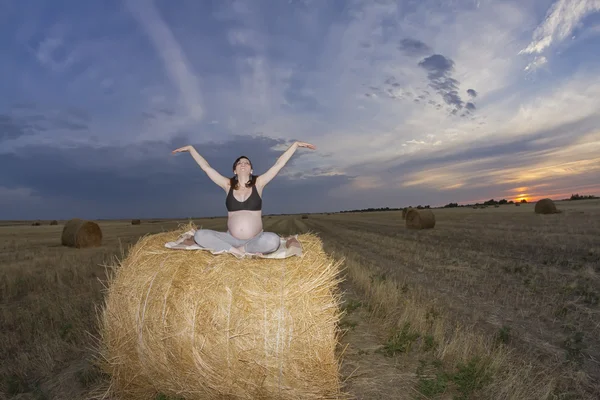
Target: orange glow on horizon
x: 522, y: 196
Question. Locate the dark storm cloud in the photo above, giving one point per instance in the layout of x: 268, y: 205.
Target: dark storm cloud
x: 437, y: 66
x: 298, y: 99
x: 157, y: 113
x: 10, y: 128
x: 391, y: 88
x: 120, y: 182
x: 391, y: 81
x: 472, y: 92
x: 24, y: 119
x: 23, y: 106
x: 66, y: 124
x: 439, y: 72
x: 76, y: 114
x: 413, y: 47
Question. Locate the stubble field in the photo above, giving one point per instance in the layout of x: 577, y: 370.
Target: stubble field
x: 495, y: 303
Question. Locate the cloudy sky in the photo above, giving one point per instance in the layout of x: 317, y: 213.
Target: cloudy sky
x: 408, y: 102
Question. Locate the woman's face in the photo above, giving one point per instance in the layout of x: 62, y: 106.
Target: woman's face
x: 243, y: 166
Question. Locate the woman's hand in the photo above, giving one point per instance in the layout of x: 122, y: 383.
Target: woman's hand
x: 307, y: 145
x: 182, y: 149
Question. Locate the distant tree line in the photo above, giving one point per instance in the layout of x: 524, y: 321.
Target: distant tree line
x: 579, y: 197
x: 490, y: 202
x: 371, y: 209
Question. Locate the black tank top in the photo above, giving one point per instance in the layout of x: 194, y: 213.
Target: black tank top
x: 252, y: 203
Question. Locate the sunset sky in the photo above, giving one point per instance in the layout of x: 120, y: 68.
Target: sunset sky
x: 408, y: 102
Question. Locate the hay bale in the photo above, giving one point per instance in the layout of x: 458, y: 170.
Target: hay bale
x: 135, y: 222
x: 545, y: 206
x: 420, y: 219
x: 54, y: 222
x: 517, y: 204
x: 81, y: 234
x: 305, y: 216
x: 36, y: 223
x: 404, y: 211
x: 200, y: 326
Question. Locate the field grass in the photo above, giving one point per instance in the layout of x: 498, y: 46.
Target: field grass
x: 495, y: 303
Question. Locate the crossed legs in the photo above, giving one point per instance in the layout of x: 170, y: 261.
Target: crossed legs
x: 264, y: 242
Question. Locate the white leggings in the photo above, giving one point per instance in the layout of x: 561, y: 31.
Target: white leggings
x: 264, y: 242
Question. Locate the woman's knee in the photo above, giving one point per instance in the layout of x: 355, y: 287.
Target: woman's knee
x: 203, y: 236
x: 267, y: 242
x: 270, y: 241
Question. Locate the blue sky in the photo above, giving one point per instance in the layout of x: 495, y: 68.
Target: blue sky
x: 408, y: 102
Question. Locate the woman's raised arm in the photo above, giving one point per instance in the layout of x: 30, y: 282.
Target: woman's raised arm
x: 265, y: 178
x: 210, y: 171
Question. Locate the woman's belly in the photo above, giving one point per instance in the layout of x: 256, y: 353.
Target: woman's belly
x: 244, y: 224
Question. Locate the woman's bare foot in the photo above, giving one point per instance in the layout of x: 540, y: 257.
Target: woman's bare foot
x: 292, y: 241
x: 237, y: 251
x: 189, y: 241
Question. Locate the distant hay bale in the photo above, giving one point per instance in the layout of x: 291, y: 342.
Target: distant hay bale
x: 81, y: 234
x: 517, y: 204
x: 305, y: 216
x: 200, y: 326
x: 54, y: 222
x: 545, y: 206
x: 135, y: 222
x: 420, y: 219
x: 404, y: 211
x: 36, y: 223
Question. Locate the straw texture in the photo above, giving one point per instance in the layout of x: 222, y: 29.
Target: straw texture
x: 202, y: 326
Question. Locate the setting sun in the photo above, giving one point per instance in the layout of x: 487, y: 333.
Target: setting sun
x: 521, y: 197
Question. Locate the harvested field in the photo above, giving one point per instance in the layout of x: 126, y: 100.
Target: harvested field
x: 505, y: 284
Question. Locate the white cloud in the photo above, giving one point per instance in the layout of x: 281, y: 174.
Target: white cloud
x: 561, y: 20
x: 172, y: 55
x: 538, y: 62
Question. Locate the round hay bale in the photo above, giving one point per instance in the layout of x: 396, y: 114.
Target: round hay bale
x: 36, y: 223
x: 404, y: 211
x: 420, y: 219
x: 201, y: 326
x: 545, y: 206
x: 135, y: 222
x: 81, y: 234
x: 54, y: 222
x: 305, y: 216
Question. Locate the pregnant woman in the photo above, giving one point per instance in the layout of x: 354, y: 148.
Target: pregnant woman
x: 244, y: 205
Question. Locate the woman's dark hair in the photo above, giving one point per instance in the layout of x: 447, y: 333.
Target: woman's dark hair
x: 233, y: 181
